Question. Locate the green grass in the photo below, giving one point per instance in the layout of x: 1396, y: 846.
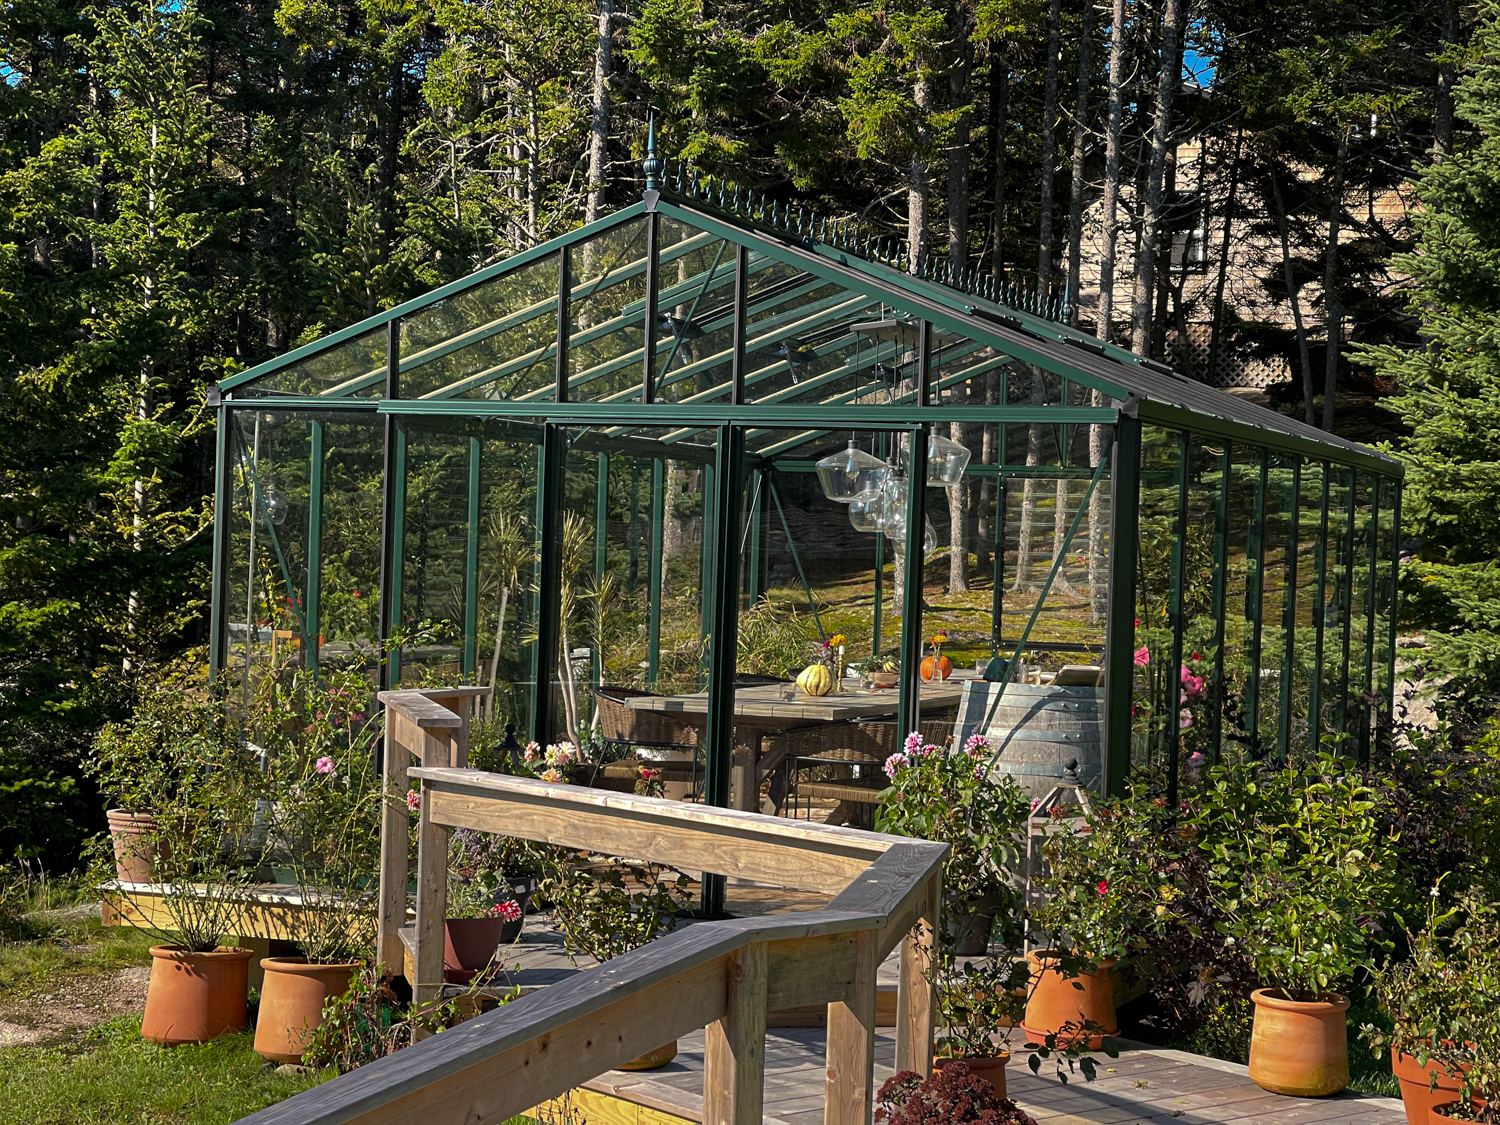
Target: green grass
x: 110, y: 1074
x: 28, y: 966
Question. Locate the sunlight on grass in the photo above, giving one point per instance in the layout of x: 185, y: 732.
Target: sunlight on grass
x: 25, y: 966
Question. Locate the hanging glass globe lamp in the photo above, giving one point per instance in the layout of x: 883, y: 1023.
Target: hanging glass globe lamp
x: 946, y: 461
x: 851, y: 474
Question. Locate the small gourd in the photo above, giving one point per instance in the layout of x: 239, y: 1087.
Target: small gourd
x: 815, y: 679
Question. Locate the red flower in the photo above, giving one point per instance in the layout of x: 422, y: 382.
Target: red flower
x: 1103, y: 886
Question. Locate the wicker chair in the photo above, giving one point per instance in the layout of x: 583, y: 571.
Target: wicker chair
x: 624, y: 727
x: 821, y: 762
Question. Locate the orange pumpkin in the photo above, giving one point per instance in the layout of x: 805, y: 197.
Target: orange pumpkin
x: 937, y: 668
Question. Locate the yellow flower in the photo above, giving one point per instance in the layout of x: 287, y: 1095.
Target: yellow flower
x: 940, y: 638
x: 838, y: 639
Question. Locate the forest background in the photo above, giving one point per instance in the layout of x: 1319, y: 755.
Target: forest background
x: 189, y: 188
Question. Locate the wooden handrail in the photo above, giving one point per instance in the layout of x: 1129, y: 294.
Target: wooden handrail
x: 721, y: 975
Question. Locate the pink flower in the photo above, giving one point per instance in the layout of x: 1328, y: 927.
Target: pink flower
x: 1142, y: 657
x: 509, y: 910
x: 979, y: 771
x: 1196, y: 760
x: 532, y: 752
x: 1193, y: 687
x: 551, y: 775
x: 913, y: 742
x: 1103, y: 886
x: 893, y: 765
x: 357, y: 717
x: 357, y: 594
x: 976, y: 745
x: 1036, y: 803
x: 649, y: 774
x: 325, y: 764
x: 1184, y: 719
x: 317, y: 714
x: 414, y: 800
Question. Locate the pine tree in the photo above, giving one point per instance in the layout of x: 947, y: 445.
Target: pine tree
x: 1450, y: 389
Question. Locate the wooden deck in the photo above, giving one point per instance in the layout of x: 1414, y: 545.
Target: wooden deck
x: 1144, y: 1085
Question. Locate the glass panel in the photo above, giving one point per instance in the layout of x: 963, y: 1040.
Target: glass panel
x: 1198, y: 695
x: 1277, y: 599
x: 1305, y: 649
x: 632, y: 558
x: 1385, y: 597
x: 808, y: 340
x: 695, y: 316
x: 606, y: 314
x: 286, y: 528
x: 1242, y: 593
x: 496, y: 341
x: 1161, y: 468
x: 810, y: 575
x: 1356, y: 714
x: 353, y: 369
x: 1336, y: 599
x: 434, y: 569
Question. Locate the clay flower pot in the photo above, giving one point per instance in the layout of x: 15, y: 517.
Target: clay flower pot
x: 469, y: 945
x: 652, y: 1060
x: 1436, y: 1118
x: 133, y: 835
x: 1417, y: 1095
x: 989, y: 1067
x: 194, y: 997
x: 1299, y: 1047
x: 291, y: 1004
x: 1057, y: 1000
x: 884, y: 679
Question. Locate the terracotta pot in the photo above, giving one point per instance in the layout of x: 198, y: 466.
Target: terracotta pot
x: 469, y: 945
x: 1417, y: 1095
x: 291, y: 1004
x: 989, y: 1067
x: 133, y: 835
x: 193, y: 997
x: 1436, y: 1118
x: 1056, y: 1000
x: 939, y: 668
x: 652, y: 1060
x: 1299, y: 1047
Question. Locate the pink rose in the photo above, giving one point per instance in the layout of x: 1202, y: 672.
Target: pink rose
x: 1142, y: 657
x: 325, y: 764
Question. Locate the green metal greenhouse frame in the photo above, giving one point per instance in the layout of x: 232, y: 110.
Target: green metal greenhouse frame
x: 778, y: 297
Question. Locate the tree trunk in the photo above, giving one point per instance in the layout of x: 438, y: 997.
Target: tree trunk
x: 1332, y: 310
x: 1105, y: 308
x: 1212, y: 374
x: 916, y: 182
x: 1294, y: 295
x: 1034, y: 434
x: 959, y: 80
x: 1049, y: 157
x: 1442, y: 109
x: 495, y: 652
x: 999, y: 110
x: 958, y: 526
x: 599, y: 118
x: 1145, y: 260
x: 1080, y: 139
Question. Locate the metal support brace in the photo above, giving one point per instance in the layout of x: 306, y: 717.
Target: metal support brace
x: 720, y: 588
x: 471, y: 563
x: 654, y: 570
x: 909, y: 706
x: 223, y: 492
x: 549, y: 603
x: 1119, y: 642
x: 312, y: 602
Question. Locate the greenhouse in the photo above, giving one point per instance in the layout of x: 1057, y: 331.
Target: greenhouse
x: 640, y: 477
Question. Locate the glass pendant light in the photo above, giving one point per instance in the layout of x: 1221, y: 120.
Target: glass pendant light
x: 851, y: 474
x: 929, y: 538
x: 864, y: 515
x: 946, y: 461
x: 889, y: 507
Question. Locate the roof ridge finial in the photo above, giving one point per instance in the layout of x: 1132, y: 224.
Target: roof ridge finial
x: 653, y: 164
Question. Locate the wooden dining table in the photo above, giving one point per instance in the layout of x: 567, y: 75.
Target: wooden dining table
x: 760, y: 714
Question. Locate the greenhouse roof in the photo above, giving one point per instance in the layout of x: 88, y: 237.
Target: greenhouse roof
x: 796, y: 293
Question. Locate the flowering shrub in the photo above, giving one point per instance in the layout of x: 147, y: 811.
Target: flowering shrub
x: 952, y: 1096
x: 938, y: 794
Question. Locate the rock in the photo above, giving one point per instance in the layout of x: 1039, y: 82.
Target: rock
x: 293, y: 1068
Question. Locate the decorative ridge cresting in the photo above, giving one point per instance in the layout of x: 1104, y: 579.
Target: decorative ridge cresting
x: 750, y: 206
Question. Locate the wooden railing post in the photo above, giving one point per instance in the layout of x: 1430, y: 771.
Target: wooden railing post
x: 848, y: 1091
x: 915, y: 991
x: 432, y: 879
x: 734, y: 1053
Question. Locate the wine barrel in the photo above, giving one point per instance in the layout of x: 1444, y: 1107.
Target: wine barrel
x: 1038, y: 729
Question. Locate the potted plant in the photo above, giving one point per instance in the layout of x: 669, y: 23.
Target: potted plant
x: 486, y: 907
x: 975, y: 1003
x: 181, y: 755
x: 1105, y: 896
x: 1443, y: 1001
x: 608, y: 908
x: 324, y: 820
x: 948, y: 795
x: 881, y: 671
x: 1296, y: 862
x: 954, y: 1095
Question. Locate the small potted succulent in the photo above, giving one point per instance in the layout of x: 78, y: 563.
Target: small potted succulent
x: 948, y: 795
x: 1297, y: 859
x: 1443, y: 1001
